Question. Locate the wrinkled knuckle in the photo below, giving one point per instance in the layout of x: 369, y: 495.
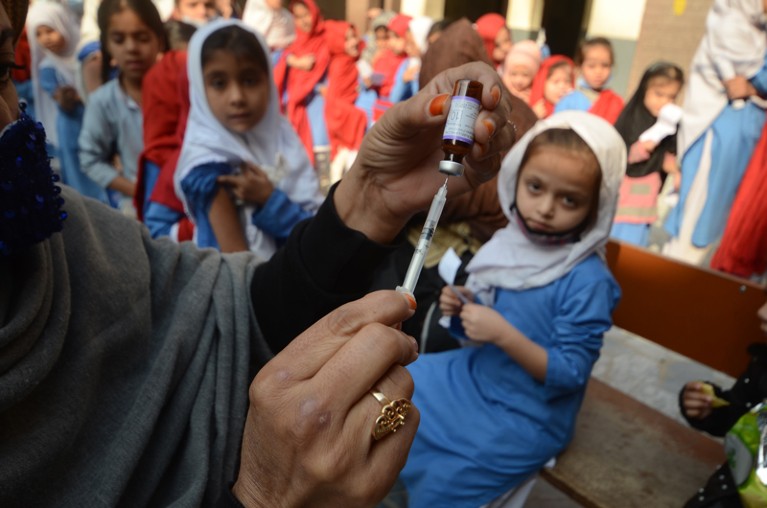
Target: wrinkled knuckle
x: 343, y: 321
x: 313, y: 416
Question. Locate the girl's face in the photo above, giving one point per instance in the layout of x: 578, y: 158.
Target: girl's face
x: 50, y: 39
x: 556, y: 190
x: 396, y: 43
x: 132, y: 44
x: 660, y: 91
x: 303, y: 17
x: 596, y: 66
x: 558, y: 84
x: 199, y: 11
x: 237, y: 90
x: 517, y: 77
x: 352, y: 44
x: 382, y: 37
x: 502, y: 45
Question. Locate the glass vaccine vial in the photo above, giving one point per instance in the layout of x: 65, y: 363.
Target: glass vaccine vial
x: 458, y: 136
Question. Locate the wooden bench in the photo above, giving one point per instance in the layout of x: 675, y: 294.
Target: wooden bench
x: 625, y: 453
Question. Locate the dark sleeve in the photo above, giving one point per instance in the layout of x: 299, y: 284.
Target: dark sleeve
x: 323, y: 265
x: 749, y: 389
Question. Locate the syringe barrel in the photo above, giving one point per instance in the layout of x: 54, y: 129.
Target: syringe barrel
x: 424, y: 241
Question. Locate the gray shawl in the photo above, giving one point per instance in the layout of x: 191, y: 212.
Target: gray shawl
x: 124, y: 366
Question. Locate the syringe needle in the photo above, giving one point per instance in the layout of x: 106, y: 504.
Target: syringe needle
x: 424, y: 241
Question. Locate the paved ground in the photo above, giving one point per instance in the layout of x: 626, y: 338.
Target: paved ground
x: 647, y: 372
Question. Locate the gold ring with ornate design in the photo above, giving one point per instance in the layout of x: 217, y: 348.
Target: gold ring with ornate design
x: 392, y: 415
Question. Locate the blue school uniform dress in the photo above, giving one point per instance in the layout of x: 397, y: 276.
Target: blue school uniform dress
x: 735, y: 133
x: 276, y: 218
x: 68, y: 127
x: 503, y: 424
x: 113, y: 123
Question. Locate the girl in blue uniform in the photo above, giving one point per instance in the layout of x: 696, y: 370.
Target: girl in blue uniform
x: 243, y: 174
x: 539, y: 298
x: 53, y: 36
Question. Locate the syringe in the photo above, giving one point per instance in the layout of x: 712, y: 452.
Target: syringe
x: 419, y: 256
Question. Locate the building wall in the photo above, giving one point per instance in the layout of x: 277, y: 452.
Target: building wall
x: 671, y: 30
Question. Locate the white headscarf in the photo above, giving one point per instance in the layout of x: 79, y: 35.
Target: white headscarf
x: 510, y: 260
x: 62, y: 20
x: 272, y: 144
x: 275, y: 25
x: 419, y: 27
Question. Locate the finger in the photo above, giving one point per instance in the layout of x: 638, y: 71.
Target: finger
x: 387, y: 456
x: 229, y: 180
x: 308, y: 352
x: 360, y: 362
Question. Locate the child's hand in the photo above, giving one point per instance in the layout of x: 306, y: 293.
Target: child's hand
x: 650, y: 146
x: 481, y: 323
x: 411, y: 73
x: 696, y: 403
x: 305, y: 62
x: 449, y: 303
x: 739, y: 88
x: 252, y: 185
x: 539, y: 108
x: 638, y: 153
x: 67, y: 98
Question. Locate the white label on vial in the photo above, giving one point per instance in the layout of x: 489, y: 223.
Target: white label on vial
x: 460, y: 120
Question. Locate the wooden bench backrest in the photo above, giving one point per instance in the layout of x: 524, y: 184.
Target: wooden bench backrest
x: 700, y: 313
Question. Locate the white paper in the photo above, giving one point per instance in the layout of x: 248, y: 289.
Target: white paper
x: 449, y: 265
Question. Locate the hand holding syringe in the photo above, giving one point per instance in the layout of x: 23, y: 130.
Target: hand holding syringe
x: 456, y: 142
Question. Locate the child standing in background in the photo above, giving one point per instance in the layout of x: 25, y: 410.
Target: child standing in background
x: 132, y: 35
x: 346, y: 122
x: 243, y: 174
x: 648, y: 126
x: 406, y: 79
x: 520, y: 67
x: 273, y: 22
x: 54, y: 39
x: 301, y: 71
x: 724, y: 113
x: 541, y: 298
x: 496, y: 36
x: 594, y: 62
x: 553, y: 81
x: 388, y: 63
x: 165, y: 108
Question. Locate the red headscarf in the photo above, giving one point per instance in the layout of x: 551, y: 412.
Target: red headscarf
x: 743, y: 250
x: 488, y: 26
x: 299, y: 83
x: 346, y: 123
x: 539, y: 82
x: 399, y: 24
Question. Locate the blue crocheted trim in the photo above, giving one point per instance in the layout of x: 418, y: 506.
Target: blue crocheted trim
x: 30, y: 200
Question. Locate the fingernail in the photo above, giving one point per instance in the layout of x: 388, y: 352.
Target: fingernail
x: 496, y: 93
x: 490, y: 126
x: 411, y: 301
x: 437, y: 104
